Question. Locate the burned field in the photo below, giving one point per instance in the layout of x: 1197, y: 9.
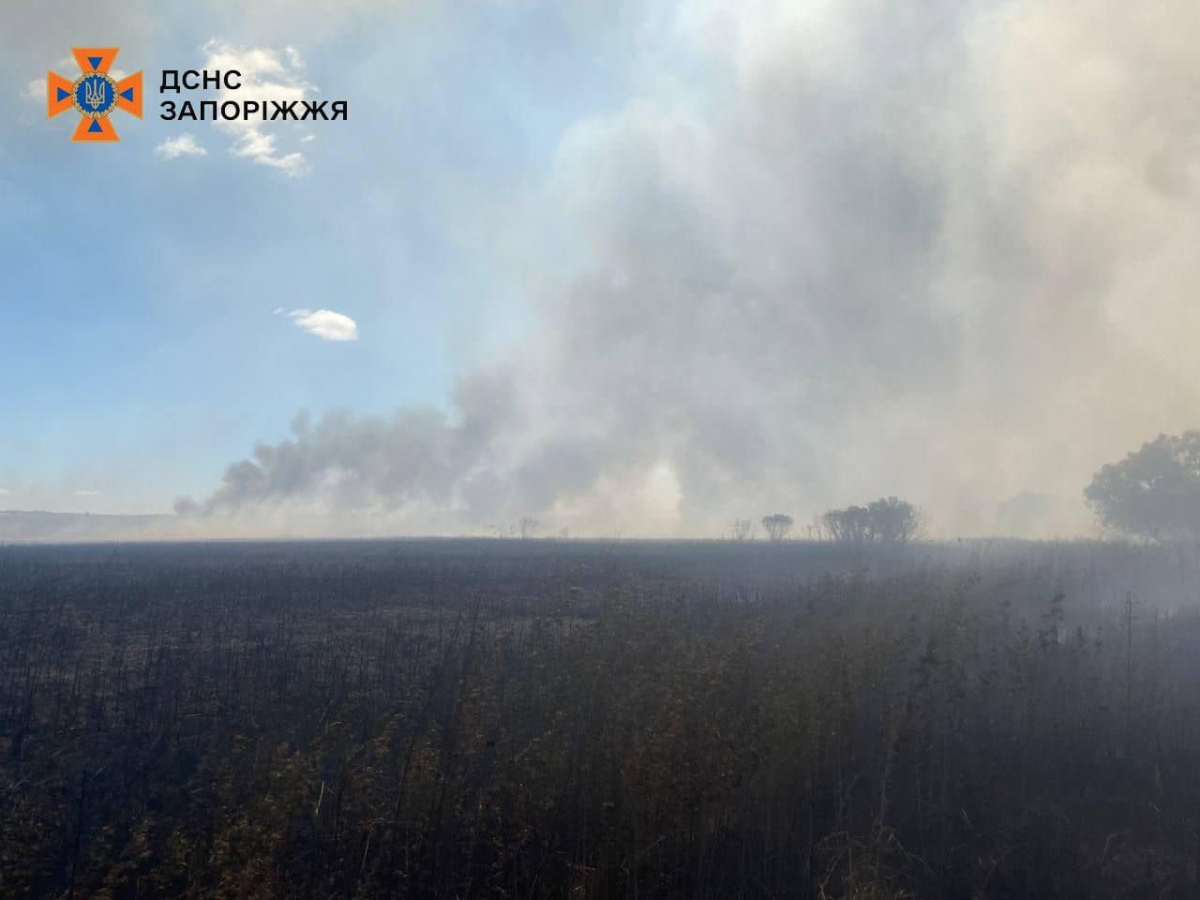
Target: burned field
x: 570, y: 719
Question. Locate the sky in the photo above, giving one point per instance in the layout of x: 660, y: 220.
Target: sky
x: 628, y: 268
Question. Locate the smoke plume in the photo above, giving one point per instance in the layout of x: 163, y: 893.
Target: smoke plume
x: 827, y: 252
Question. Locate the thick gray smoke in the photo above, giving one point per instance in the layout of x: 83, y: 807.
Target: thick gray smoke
x: 831, y: 251
x: 345, y: 465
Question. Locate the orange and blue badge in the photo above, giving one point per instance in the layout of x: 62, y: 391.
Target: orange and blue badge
x: 94, y: 94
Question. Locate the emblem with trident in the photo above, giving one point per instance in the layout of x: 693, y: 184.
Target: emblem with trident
x: 94, y: 93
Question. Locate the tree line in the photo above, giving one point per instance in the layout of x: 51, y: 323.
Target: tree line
x: 886, y: 522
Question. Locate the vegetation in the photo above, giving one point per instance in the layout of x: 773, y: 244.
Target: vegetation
x: 1153, y: 493
x: 777, y: 526
x: 742, y: 530
x: 546, y: 720
x: 884, y: 522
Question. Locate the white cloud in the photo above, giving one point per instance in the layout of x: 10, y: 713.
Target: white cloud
x: 184, y: 145
x: 84, y: 493
x: 35, y: 90
x: 4, y: 492
x: 261, y: 148
x: 325, y: 324
x: 267, y: 75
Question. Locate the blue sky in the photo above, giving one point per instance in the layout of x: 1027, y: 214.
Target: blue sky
x: 140, y: 353
x: 629, y: 268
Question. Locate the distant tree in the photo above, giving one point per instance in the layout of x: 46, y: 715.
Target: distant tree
x: 528, y: 527
x: 743, y: 530
x: 847, y: 526
x: 777, y: 526
x: 1153, y: 493
x: 893, y: 521
x: 888, y: 521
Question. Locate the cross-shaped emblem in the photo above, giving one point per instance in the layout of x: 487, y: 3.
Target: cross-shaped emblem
x: 94, y: 94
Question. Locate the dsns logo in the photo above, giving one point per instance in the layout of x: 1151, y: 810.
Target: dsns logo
x: 94, y: 94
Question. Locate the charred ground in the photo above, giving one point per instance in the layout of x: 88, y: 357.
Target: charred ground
x: 550, y: 719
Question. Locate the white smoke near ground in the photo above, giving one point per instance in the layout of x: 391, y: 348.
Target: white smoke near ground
x: 943, y: 251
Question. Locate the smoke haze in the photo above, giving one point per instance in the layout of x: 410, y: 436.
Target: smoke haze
x: 826, y: 252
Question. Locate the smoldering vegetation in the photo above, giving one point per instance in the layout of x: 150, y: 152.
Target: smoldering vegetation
x: 548, y: 719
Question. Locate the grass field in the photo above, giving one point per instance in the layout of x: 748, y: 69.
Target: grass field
x: 544, y: 719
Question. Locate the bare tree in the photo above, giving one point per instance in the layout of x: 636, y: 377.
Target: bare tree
x: 777, y: 526
x: 528, y: 527
x: 743, y: 530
